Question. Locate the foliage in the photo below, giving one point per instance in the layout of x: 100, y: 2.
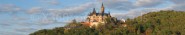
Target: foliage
x: 166, y: 22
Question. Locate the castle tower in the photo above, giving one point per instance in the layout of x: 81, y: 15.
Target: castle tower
x: 102, y: 8
x: 102, y: 11
x: 94, y: 11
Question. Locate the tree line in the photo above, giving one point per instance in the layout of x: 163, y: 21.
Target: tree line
x: 164, y: 22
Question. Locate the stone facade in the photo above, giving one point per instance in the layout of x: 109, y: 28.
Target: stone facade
x: 95, y: 19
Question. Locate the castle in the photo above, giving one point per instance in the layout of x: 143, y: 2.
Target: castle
x: 95, y: 19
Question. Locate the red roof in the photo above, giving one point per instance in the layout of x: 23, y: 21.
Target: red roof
x: 86, y: 23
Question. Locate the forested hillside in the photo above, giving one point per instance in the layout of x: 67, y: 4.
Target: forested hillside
x: 166, y: 22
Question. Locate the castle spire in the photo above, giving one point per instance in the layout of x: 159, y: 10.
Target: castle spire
x: 94, y: 11
x: 102, y: 8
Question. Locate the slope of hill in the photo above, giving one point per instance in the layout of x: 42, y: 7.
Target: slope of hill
x: 154, y: 23
x: 164, y: 22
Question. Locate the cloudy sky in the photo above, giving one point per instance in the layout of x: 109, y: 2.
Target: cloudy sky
x: 21, y: 17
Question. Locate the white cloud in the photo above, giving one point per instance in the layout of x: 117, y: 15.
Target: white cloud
x: 134, y: 13
x: 149, y: 3
x: 129, y: 5
x: 51, y: 2
x: 34, y: 10
x: 178, y: 1
x: 46, y: 21
x: 9, y: 8
x: 10, y: 33
x: 178, y: 5
x: 119, y: 4
x: 71, y: 10
x: 24, y: 30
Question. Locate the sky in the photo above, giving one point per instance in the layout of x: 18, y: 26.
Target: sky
x: 21, y: 17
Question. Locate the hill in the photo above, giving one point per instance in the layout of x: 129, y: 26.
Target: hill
x: 166, y: 22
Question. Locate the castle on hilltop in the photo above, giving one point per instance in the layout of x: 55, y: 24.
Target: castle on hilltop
x: 95, y: 19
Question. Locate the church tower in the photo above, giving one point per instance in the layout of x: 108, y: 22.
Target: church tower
x: 102, y: 8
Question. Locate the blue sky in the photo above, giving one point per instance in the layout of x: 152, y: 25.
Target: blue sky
x: 21, y: 17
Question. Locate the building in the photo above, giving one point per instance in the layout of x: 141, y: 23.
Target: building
x: 95, y: 18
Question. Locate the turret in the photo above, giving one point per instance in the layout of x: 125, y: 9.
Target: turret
x: 102, y: 8
x: 94, y: 11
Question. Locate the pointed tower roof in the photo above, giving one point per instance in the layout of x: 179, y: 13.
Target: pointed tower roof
x: 102, y: 5
x: 102, y: 9
x: 94, y: 11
